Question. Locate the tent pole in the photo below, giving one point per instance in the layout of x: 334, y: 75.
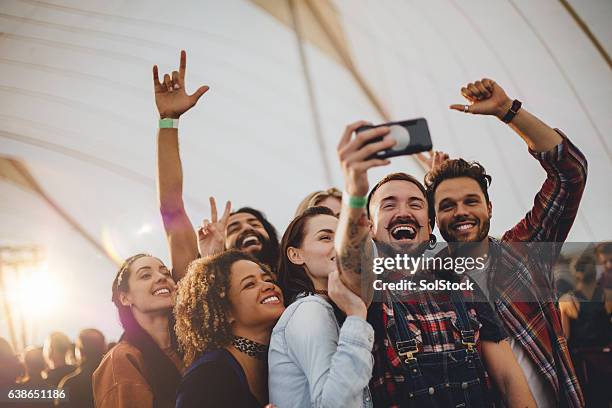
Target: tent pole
x: 311, y: 94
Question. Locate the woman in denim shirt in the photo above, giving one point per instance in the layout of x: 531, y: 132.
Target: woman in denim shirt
x: 321, y: 348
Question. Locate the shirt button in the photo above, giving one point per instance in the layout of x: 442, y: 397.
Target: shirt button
x: 432, y: 390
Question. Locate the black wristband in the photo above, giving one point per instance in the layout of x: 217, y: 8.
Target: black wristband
x: 516, y: 105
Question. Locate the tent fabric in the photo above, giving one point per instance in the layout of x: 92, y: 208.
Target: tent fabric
x: 77, y: 107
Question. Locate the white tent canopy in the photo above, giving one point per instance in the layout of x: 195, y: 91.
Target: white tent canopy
x: 77, y: 108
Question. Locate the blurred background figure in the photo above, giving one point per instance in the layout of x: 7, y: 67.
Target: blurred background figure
x: 564, y: 280
x: 110, y: 346
x: 10, y: 367
x: 330, y: 198
x: 589, y: 332
x: 56, y: 352
x: 90, y: 348
x: 34, y: 362
x: 603, y: 253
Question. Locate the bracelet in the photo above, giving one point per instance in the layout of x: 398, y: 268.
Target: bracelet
x: 516, y: 105
x: 354, y: 201
x: 168, y: 123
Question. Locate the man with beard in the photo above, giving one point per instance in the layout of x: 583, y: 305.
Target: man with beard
x: 428, y: 346
x: 246, y: 229
x: 517, y: 277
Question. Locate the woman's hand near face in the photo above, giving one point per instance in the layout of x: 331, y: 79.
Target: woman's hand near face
x: 347, y: 301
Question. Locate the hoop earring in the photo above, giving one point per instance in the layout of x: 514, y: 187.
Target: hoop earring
x: 432, y: 241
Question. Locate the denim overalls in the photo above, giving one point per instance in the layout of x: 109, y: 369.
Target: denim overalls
x: 441, y: 379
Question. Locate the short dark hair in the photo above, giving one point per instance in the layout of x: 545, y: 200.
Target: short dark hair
x: 410, y: 179
x: 585, y: 264
x: 456, y: 168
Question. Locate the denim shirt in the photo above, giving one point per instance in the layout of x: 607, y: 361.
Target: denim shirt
x: 312, y: 362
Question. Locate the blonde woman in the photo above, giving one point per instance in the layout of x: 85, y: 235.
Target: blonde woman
x: 330, y: 198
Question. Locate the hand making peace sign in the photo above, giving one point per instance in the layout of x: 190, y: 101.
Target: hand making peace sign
x: 211, y: 235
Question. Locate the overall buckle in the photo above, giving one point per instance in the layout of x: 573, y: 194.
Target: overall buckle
x: 407, y: 349
x: 468, y: 339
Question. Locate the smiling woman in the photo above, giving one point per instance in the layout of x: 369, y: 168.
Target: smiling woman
x: 144, y: 366
x: 225, y: 310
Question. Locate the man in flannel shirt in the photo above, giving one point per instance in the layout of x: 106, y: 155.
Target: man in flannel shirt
x: 396, y: 219
x: 517, y: 278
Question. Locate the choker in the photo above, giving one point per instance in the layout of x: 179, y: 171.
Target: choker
x: 251, y: 348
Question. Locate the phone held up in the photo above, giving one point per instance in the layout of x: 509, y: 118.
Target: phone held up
x: 412, y: 137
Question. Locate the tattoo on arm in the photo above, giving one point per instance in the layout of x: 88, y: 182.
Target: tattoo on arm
x: 353, y: 244
x: 354, y: 251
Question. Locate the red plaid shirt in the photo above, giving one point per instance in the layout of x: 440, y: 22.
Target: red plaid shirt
x: 537, y: 325
x: 432, y: 319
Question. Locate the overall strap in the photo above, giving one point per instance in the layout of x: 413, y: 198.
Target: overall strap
x: 406, y: 343
x: 464, y: 324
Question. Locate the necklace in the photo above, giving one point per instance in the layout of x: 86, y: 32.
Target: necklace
x: 251, y: 348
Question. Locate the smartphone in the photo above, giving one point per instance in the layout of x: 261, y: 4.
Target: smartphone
x: 412, y: 137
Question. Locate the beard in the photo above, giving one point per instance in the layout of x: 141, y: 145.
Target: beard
x: 389, y: 250
x: 459, y: 243
x: 269, y: 252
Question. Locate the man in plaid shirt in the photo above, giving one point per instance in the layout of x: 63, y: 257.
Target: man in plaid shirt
x: 429, y: 346
x: 518, y: 278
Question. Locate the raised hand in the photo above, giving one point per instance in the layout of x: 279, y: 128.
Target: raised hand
x: 353, y: 155
x: 347, y: 301
x: 170, y: 95
x: 435, y: 159
x: 485, y: 97
x: 211, y: 235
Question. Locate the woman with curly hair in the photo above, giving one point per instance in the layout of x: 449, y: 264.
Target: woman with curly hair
x: 144, y: 368
x: 226, y: 307
x: 321, y: 348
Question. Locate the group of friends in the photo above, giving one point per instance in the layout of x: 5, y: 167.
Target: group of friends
x: 243, y: 319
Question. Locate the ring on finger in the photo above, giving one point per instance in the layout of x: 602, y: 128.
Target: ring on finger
x: 466, y: 108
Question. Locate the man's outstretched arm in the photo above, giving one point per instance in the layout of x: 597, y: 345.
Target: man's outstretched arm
x: 556, y: 204
x: 354, y: 247
x: 172, y: 101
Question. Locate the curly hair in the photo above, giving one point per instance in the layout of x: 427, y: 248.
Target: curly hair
x: 202, y: 304
x: 455, y: 168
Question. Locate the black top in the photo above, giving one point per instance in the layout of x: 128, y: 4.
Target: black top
x: 78, y: 387
x: 55, y: 376
x: 592, y: 328
x: 215, y: 379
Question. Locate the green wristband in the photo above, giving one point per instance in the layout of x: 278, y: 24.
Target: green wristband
x: 168, y: 123
x: 354, y: 201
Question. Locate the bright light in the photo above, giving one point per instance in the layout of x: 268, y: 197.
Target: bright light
x: 36, y: 294
x: 145, y: 229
